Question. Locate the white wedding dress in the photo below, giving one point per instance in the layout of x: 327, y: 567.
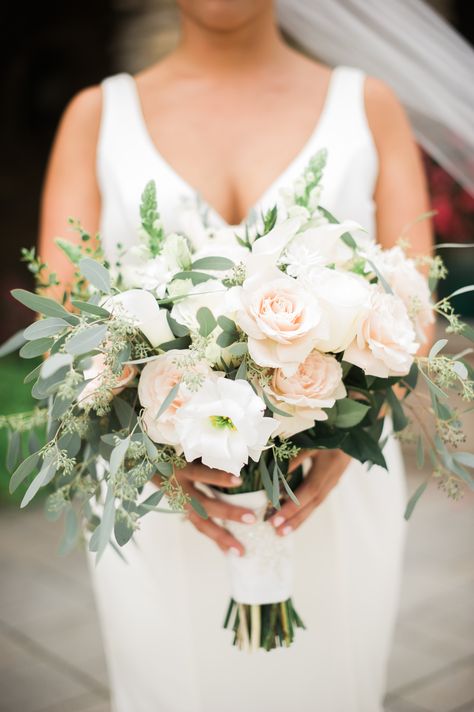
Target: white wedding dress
x: 162, y: 611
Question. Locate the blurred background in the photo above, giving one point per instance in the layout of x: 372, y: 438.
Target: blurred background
x: 50, y: 651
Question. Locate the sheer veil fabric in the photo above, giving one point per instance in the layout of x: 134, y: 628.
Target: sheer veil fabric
x: 409, y: 46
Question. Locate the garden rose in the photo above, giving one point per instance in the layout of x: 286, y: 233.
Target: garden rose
x: 283, y: 320
x: 317, y: 384
x: 156, y: 381
x: 410, y: 285
x: 223, y: 423
x: 385, y: 341
x: 94, y: 376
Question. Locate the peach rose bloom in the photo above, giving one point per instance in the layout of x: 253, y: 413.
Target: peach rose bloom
x: 94, y: 376
x: 281, y: 318
x: 317, y: 384
x: 386, y: 339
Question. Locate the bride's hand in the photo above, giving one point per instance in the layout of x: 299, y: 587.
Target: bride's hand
x: 326, y: 469
x: 188, y: 477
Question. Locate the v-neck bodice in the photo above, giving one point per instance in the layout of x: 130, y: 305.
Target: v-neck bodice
x: 127, y: 158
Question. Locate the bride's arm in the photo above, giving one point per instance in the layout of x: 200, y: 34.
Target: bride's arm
x: 70, y: 187
x: 400, y: 197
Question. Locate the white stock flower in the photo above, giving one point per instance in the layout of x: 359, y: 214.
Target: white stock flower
x: 317, y: 384
x: 156, y: 381
x: 386, y: 340
x: 143, y: 310
x: 140, y: 270
x: 223, y: 423
x: 342, y: 297
x: 282, y: 319
x: 318, y: 247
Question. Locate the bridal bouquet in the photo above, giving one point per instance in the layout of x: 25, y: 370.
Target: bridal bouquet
x: 238, y: 350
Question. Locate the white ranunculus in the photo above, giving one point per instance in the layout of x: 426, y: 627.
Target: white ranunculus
x: 141, y: 307
x: 223, y: 423
x: 317, y: 384
x: 342, y: 297
x: 156, y: 381
x: 318, y: 247
x: 409, y: 284
x: 282, y: 319
x: 386, y: 341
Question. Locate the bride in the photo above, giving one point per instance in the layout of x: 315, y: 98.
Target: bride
x: 221, y: 124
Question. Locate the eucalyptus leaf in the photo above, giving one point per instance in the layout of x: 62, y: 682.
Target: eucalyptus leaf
x: 12, y: 344
x: 414, y: 499
x: 106, y: 526
x: 89, y: 308
x: 276, y: 486
x: 71, y: 442
x: 13, y: 451
x: 123, y: 531
x: 436, y: 348
x: 45, y: 327
x: 60, y: 407
x: 118, y: 455
x: 164, y: 468
x: 227, y: 324
x: 289, y: 491
x: 206, y: 321
x: 464, y: 458
x: 23, y: 470
x: 96, y: 274
x: 124, y: 412
x: 44, y: 305
x: 168, y: 400
x: 420, y: 452
x: 227, y: 338
x: 198, y: 508
x: 241, y: 372
x: 71, y: 532
x: 177, y: 328
x: 460, y: 370
x: 195, y: 277
x: 54, y: 363
x: 213, y: 263
x: 271, y: 406
x: 44, y: 476
x: 461, y: 290
x: 239, y: 348
x: 86, y: 340
x: 32, y: 375
x: 400, y: 421
x: 266, y: 479
x: 36, y: 348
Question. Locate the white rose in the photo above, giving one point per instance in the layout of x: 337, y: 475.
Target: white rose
x: 143, y: 310
x: 283, y: 320
x: 385, y: 341
x: 156, y: 381
x: 410, y: 285
x: 223, y: 423
x: 342, y: 298
x: 317, y: 384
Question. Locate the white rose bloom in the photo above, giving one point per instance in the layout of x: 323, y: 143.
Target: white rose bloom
x: 342, y: 297
x: 386, y: 340
x: 156, y: 381
x: 409, y: 284
x: 282, y: 319
x: 318, y: 247
x: 317, y: 384
x: 224, y: 424
x: 143, y: 310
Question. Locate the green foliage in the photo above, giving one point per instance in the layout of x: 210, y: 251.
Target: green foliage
x: 150, y: 218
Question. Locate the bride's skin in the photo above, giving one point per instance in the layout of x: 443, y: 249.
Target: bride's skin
x: 229, y: 109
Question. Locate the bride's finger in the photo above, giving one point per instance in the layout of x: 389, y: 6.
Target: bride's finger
x: 289, y: 525
x: 221, y: 536
x: 218, y: 478
x: 223, y: 510
x: 304, y: 493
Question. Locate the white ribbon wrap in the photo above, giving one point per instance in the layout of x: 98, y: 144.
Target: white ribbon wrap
x: 265, y: 573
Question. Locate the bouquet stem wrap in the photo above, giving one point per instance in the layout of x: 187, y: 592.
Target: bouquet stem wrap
x: 265, y: 573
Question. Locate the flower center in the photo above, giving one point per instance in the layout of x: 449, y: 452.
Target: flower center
x: 222, y: 421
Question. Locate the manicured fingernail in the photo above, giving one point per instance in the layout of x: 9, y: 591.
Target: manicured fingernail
x: 278, y: 520
x: 248, y: 518
x: 286, y: 530
x: 233, y: 551
x: 235, y: 481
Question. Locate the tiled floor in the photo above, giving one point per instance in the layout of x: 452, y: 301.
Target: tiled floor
x: 50, y: 651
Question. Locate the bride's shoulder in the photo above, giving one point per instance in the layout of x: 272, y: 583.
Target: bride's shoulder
x: 385, y: 113
x: 82, y: 113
